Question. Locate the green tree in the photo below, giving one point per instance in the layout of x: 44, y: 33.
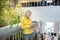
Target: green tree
x: 2, y: 4
x: 8, y: 15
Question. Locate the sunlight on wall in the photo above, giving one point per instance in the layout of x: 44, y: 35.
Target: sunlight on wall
x: 49, y: 27
x: 59, y: 28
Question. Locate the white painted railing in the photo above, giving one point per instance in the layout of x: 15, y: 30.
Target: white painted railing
x: 7, y: 31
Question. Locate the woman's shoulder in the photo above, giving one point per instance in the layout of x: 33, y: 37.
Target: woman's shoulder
x: 22, y: 18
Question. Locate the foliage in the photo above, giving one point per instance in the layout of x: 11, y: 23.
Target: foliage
x: 8, y: 15
x: 2, y: 5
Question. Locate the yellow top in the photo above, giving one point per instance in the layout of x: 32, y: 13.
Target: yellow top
x: 26, y: 25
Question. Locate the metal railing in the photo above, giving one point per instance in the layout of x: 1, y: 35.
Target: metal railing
x: 41, y: 3
x: 13, y: 33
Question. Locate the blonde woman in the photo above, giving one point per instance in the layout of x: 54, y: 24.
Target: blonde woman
x: 26, y: 23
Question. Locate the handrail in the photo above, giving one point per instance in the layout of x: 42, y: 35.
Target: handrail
x: 7, y: 31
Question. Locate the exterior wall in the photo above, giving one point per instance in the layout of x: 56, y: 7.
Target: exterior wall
x: 22, y: 1
x: 45, y: 14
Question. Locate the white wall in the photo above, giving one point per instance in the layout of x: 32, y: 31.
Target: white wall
x: 47, y: 14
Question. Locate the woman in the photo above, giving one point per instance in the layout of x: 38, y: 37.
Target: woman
x: 26, y: 23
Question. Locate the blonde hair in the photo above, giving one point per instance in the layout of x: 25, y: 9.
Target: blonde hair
x: 28, y: 11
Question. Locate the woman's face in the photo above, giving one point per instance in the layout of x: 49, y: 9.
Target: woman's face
x: 28, y: 14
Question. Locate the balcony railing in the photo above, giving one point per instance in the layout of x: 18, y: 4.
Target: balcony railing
x: 13, y: 33
x: 41, y: 3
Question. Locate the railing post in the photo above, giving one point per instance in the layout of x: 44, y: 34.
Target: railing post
x: 43, y: 2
